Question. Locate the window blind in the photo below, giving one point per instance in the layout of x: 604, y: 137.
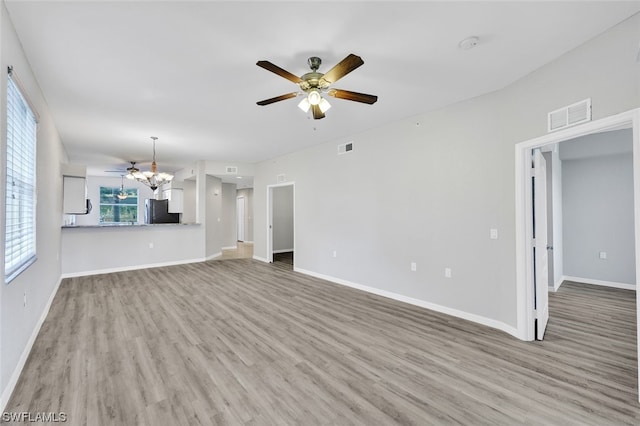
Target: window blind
x: 20, y: 195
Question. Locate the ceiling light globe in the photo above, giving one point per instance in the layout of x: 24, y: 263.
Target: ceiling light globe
x: 314, y: 97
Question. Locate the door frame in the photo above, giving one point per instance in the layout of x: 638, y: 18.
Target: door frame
x: 524, y: 228
x: 270, y: 189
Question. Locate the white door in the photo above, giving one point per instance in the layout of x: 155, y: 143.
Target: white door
x: 240, y: 218
x: 540, y: 259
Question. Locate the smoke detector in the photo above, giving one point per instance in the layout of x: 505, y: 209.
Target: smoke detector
x: 469, y: 43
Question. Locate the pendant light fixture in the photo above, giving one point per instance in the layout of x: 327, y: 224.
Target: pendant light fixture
x: 153, y: 179
x: 122, y: 195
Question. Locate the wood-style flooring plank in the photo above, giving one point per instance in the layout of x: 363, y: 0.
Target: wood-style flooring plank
x: 239, y: 342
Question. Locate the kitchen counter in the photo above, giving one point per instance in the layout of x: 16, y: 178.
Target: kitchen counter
x: 128, y: 225
x: 90, y: 249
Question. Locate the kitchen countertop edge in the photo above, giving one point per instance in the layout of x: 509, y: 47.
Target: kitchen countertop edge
x: 135, y: 225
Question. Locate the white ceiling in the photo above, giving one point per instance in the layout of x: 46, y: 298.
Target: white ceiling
x: 116, y: 73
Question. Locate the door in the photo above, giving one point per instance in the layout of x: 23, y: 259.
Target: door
x: 240, y: 219
x: 540, y: 258
x: 549, y: 164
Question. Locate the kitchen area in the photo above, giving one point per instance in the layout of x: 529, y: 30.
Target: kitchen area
x: 190, y: 219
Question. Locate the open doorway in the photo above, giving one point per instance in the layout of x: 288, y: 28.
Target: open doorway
x: 281, y: 225
x: 525, y: 262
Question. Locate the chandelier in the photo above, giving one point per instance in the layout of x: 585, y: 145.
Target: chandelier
x: 122, y: 195
x: 153, y: 179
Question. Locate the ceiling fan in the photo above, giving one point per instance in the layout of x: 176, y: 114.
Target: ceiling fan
x: 313, y: 84
x: 129, y: 170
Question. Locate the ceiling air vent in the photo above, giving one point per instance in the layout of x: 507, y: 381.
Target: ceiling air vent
x: 570, y: 115
x: 232, y: 170
x: 345, y: 148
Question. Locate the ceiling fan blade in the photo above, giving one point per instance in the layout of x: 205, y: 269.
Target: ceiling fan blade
x: 277, y: 70
x: 353, y: 96
x: 277, y: 99
x: 343, y: 68
x: 317, y: 113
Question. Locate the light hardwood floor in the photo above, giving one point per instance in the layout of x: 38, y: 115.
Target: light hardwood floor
x: 242, y: 251
x: 240, y: 342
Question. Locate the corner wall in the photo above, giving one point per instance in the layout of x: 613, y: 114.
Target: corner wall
x: 19, y: 323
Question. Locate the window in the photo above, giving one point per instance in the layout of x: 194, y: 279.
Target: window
x: 20, y: 195
x: 115, y: 210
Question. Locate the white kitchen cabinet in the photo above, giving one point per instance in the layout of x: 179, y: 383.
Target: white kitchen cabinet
x: 74, y: 195
x: 176, y: 199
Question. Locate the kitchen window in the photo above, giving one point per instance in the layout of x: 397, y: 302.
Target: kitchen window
x: 20, y: 193
x: 113, y: 209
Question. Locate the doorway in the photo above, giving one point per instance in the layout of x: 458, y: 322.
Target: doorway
x: 525, y: 264
x: 281, y: 224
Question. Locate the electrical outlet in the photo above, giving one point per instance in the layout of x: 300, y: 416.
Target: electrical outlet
x: 25, y: 299
x: 150, y: 245
x: 493, y: 234
x: 414, y: 266
x: 447, y: 272
x: 335, y: 253
x: 602, y: 255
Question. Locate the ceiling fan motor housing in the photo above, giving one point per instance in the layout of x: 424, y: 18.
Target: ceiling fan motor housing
x: 314, y: 63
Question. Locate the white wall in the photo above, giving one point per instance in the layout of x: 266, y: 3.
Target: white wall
x: 598, y: 207
x: 428, y: 189
x: 18, y: 323
x: 228, y: 215
x: 189, y: 194
x: 247, y: 193
x: 282, y: 218
x: 213, y: 216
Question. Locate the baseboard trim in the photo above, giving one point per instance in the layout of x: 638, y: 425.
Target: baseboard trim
x: 210, y: 257
x: 261, y: 259
x: 417, y: 302
x: 282, y: 251
x: 556, y: 285
x: 136, y: 267
x: 613, y: 284
x: 13, y: 380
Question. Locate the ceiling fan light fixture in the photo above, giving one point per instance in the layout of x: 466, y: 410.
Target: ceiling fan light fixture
x: 324, y: 105
x: 304, y: 105
x: 314, y: 97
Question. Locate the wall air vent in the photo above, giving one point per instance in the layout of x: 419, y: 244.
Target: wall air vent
x: 569, y: 115
x: 282, y: 178
x: 345, y: 148
x: 232, y: 170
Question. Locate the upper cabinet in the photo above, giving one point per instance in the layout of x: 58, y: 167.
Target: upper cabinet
x: 175, y: 194
x: 74, y: 187
x: 74, y: 195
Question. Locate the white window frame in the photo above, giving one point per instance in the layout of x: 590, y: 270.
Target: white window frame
x: 20, y: 179
x: 117, y: 188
